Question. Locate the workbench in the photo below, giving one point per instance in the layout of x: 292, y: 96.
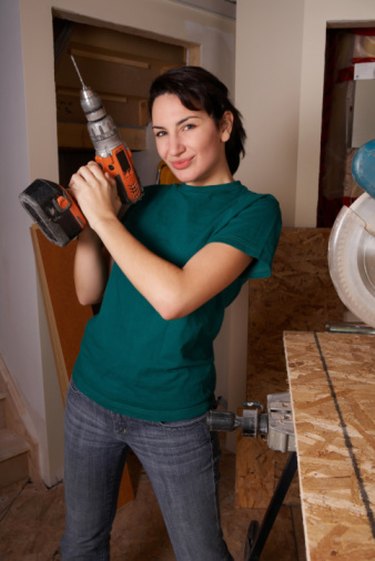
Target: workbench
x: 332, y: 385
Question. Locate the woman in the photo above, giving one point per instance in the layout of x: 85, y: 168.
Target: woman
x: 145, y: 376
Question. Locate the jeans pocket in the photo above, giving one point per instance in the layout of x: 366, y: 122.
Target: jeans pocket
x: 76, y: 397
x: 73, y: 388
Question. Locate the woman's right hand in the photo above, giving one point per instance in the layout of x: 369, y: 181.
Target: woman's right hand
x: 95, y: 192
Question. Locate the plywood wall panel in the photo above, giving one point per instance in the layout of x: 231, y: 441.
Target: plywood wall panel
x: 299, y: 296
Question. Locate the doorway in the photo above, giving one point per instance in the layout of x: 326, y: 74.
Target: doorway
x: 348, y: 115
x: 119, y: 67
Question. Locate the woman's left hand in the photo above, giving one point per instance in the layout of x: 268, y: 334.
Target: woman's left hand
x: 96, y: 193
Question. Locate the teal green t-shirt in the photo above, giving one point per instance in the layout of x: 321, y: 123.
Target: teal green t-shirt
x: 134, y: 362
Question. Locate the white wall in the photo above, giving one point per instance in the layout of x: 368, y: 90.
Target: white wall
x: 29, y: 150
x: 279, y: 83
x: 19, y: 318
x: 268, y: 62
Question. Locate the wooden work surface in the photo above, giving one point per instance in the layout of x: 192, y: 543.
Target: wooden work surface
x: 332, y: 385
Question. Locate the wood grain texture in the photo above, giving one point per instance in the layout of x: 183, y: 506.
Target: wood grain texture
x: 332, y: 384
x: 66, y: 317
x: 299, y: 296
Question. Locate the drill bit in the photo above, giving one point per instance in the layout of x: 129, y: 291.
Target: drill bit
x: 78, y: 72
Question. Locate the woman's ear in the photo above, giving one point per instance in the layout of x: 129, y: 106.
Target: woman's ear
x: 226, y: 126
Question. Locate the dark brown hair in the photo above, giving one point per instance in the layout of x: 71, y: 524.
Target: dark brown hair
x: 197, y: 90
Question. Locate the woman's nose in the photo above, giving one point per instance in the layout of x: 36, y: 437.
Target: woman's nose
x: 176, y: 147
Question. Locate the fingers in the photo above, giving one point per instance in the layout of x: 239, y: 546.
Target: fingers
x: 94, y: 190
x: 93, y: 186
x: 89, y: 174
x: 95, y: 169
x: 110, y: 178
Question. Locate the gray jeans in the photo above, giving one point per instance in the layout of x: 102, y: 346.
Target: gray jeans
x: 180, y: 459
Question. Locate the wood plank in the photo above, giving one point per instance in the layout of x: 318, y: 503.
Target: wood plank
x: 127, y: 111
x: 332, y: 385
x: 106, y: 55
x: 75, y: 135
x: 66, y: 317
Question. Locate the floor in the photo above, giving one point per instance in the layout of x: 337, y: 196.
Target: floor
x: 31, y: 523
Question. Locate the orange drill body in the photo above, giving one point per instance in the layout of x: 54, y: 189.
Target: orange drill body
x: 110, y: 151
x: 119, y: 164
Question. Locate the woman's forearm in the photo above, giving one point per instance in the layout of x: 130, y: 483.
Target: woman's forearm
x: 155, y: 278
x: 90, y: 268
x: 171, y: 290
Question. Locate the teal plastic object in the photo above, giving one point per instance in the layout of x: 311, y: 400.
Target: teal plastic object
x: 363, y: 167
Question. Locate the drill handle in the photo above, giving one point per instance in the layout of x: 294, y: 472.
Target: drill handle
x: 119, y: 165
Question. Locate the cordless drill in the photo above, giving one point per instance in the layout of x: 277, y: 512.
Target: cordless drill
x: 52, y: 207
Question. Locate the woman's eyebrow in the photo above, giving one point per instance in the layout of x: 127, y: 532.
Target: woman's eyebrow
x: 181, y: 122
x: 187, y: 119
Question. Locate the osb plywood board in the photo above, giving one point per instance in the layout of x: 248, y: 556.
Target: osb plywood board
x: 258, y: 470
x: 299, y: 296
x: 332, y: 384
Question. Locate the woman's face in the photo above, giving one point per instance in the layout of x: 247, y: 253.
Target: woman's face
x: 190, y: 142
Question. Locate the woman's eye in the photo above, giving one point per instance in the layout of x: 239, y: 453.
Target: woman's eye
x: 189, y: 126
x: 159, y: 134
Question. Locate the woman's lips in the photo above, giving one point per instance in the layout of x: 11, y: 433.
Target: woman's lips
x: 181, y: 164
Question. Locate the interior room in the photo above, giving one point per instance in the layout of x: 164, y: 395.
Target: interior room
x: 296, y: 348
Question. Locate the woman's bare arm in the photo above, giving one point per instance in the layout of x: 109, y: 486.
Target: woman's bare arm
x: 171, y: 290
x: 91, y: 265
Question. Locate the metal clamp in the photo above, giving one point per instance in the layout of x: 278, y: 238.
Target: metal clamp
x: 276, y: 424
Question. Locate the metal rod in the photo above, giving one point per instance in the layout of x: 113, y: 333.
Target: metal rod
x: 273, y: 508
x: 78, y: 72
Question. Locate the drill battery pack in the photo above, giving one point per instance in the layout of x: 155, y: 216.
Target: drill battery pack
x: 54, y: 210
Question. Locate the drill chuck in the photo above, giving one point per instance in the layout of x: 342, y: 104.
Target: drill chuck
x: 100, y: 125
x: 101, y: 128
x: 91, y: 104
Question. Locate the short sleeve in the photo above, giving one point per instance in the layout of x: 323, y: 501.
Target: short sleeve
x: 254, y: 229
